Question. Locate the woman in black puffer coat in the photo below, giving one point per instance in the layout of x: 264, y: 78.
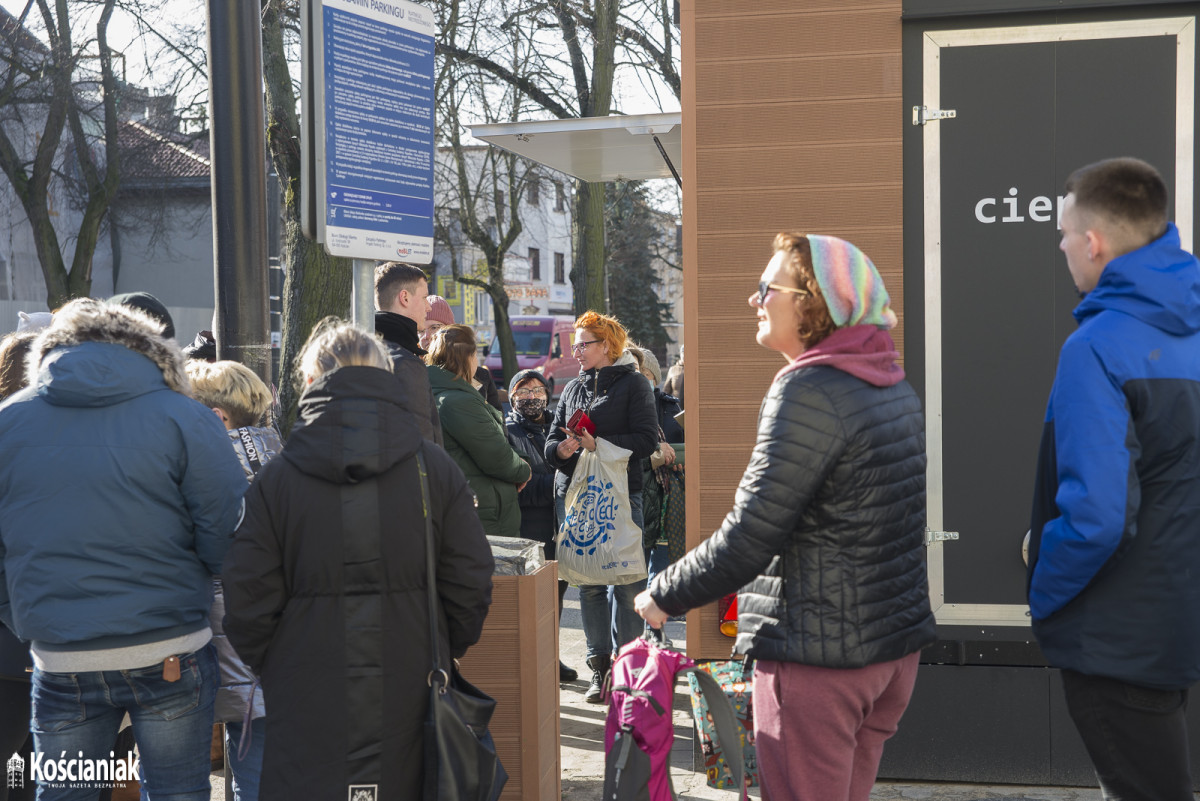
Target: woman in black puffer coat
x: 826, y: 537
x: 326, y: 586
x: 621, y: 404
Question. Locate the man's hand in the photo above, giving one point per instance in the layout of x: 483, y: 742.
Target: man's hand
x: 645, y: 606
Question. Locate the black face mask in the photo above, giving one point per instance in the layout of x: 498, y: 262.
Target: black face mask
x: 532, y: 408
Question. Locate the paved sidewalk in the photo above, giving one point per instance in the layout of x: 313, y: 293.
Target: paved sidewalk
x: 583, y: 743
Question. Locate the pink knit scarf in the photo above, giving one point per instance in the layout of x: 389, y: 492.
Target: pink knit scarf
x: 864, y: 351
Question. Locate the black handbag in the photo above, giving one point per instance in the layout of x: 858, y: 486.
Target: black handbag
x: 460, y: 756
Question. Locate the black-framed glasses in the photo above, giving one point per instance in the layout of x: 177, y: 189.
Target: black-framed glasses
x: 579, y: 347
x: 765, y: 288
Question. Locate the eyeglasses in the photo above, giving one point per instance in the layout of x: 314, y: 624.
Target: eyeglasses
x: 530, y: 393
x: 579, y: 347
x: 764, y: 289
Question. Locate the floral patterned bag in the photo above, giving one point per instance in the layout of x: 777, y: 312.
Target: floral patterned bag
x: 736, y: 678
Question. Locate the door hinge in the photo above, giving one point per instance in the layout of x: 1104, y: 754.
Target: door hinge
x: 922, y: 115
x: 939, y: 536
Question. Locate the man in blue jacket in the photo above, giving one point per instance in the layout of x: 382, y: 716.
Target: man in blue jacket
x: 1114, y: 568
x: 119, y: 496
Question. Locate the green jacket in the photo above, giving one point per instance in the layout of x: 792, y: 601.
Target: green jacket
x: 475, y: 438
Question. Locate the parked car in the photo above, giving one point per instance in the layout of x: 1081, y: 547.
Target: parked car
x: 544, y: 344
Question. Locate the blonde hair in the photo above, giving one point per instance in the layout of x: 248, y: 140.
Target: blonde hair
x: 337, y: 343
x: 231, y: 387
x: 451, y: 349
x: 607, y: 329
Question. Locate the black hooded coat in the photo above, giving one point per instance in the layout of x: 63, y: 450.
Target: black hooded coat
x: 326, y: 594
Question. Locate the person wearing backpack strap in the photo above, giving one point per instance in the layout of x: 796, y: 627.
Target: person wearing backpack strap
x: 826, y: 537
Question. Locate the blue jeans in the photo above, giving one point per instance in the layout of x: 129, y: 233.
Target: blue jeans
x: 247, y: 771
x: 658, y: 561
x: 172, y: 721
x: 608, y: 617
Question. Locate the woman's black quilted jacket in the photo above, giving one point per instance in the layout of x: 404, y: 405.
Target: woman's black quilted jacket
x: 826, y: 537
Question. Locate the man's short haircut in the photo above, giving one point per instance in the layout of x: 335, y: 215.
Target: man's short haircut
x: 393, y: 276
x: 451, y: 349
x: 232, y: 387
x: 1125, y: 195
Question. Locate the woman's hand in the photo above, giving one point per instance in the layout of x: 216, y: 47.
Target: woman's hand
x: 668, y: 453
x: 645, y: 606
x: 567, y: 448
x: 586, y: 439
x: 528, y: 478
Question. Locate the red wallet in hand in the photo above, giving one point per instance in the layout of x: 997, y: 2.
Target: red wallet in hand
x: 581, y: 422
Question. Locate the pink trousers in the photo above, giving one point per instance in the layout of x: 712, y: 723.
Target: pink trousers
x: 819, y: 732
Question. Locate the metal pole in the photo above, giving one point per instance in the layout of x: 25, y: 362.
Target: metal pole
x: 363, y: 294
x: 239, y: 175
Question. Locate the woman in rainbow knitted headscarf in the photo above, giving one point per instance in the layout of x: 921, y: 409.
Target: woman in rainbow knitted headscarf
x: 826, y: 538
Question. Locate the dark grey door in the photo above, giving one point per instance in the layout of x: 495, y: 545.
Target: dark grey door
x: 1027, y: 114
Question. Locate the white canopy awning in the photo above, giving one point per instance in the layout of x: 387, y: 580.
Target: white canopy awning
x: 595, y: 149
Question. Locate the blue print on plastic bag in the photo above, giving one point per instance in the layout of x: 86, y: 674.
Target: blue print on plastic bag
x: 590, y: 520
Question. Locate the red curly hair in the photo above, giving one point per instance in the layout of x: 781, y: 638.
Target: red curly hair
x: 607, y: 329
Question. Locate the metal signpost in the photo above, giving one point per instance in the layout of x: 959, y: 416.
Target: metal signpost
x: 369, y: 117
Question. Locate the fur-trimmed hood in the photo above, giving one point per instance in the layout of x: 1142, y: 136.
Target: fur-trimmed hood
x: 74, y: 363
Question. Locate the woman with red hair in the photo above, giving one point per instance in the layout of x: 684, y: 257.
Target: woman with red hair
x: 620, y: 403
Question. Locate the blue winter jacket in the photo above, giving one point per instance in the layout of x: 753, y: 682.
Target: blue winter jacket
x: 118, y: 498
x: 1114, y: 578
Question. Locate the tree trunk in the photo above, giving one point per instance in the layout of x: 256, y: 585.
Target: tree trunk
x: 54, y: 270
x: 504, y: 334
x: 589, y: 198
x: 588, y: 275
x: 315, y: 285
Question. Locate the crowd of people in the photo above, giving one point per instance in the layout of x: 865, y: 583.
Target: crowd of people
x: 180, y: 563
x: 165, y: 555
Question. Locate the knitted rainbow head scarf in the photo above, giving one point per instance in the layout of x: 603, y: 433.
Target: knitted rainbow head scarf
x: 853, y: 288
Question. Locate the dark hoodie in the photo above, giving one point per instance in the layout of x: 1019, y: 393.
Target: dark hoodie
x: 1112, y: 555
x: 326, y: 590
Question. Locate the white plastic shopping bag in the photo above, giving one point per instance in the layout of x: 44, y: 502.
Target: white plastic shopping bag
x: 598, y: 542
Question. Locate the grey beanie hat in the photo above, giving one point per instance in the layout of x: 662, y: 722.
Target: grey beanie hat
x: 525, y: 375
x: 650, y: 362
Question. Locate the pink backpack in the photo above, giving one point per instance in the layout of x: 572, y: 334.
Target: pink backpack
x: 639, y: 731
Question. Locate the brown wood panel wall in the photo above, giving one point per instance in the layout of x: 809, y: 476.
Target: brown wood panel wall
x: 792, y: 120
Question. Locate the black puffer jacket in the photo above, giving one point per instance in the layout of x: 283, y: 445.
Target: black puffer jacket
x: 326, y: 590
x: 621, y: 404
x: 827, y: 528
x: 528, y: 439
